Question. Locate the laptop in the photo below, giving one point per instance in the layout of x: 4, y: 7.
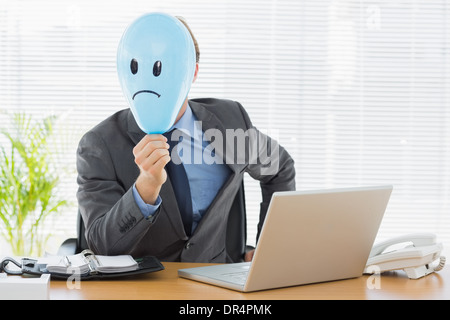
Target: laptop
x: 307, y: 237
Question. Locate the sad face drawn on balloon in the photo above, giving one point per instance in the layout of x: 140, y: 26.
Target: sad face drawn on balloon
x: 156, y: 66
x: 156, y: 72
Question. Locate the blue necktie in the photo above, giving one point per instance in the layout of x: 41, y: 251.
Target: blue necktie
x: 180, y: 184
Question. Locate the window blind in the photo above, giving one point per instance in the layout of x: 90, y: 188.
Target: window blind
x: 357, y: 91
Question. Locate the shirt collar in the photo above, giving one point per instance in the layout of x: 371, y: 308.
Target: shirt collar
x: 186, y: 122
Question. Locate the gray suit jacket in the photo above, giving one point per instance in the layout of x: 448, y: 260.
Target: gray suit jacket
x: 114, y: 223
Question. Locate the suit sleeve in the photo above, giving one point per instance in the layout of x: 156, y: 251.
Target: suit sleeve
x: 114, y: 223
x: 270, y: 164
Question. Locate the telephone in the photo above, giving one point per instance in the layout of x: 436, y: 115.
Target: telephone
x: 417, y: 259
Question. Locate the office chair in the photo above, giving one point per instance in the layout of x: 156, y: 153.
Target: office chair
x: 236, y: 234
x: 74, y: 245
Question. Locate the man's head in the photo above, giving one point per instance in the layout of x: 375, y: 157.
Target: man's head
x: 156, y: 64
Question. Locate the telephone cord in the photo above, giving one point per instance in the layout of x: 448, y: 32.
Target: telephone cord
x: 441, y: 264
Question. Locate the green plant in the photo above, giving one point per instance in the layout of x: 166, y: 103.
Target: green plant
x: 28, y: 183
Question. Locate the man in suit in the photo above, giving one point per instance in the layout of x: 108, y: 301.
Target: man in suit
x: 129, y: 203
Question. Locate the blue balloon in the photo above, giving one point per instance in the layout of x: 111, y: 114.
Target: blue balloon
x: 156, y: 66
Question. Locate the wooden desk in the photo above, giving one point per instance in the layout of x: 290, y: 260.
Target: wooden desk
x: 166, y: 285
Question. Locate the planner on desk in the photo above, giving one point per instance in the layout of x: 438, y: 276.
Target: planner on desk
x: 88, y: 262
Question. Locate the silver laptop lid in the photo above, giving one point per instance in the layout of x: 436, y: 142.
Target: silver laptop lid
x: 316, y: 236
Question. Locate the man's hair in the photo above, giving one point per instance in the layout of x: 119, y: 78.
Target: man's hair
x: 197, y: 50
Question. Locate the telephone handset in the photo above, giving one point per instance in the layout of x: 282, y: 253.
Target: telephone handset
x: 417, y: 259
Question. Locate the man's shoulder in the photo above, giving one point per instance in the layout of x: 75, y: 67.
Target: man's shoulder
x: 224, y: 109
x: 116, y: 121
x: 215, y: 103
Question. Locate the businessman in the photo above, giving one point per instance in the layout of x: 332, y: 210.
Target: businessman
x: 129, y: 195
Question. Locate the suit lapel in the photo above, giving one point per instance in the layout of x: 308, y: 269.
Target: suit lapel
x: 210, y: 121
x: 135, y: 133
x: 223, y: 198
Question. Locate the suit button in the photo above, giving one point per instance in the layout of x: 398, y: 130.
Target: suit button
x: 188, y: 245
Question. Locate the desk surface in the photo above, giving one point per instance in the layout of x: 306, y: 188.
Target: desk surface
x: 166, y: 285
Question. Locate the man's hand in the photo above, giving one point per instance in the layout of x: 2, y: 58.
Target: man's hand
x: 249, y: 255
x: 151, y: 155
